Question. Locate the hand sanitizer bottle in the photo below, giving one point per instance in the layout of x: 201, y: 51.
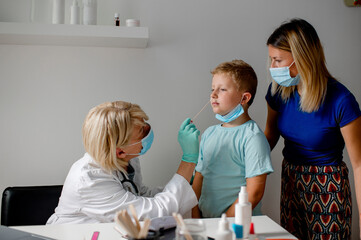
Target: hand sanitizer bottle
x: 58, y: 11
x: 89, y: 12
x: 74, y: 13
x: 243, y: 211
x: 223, y: 232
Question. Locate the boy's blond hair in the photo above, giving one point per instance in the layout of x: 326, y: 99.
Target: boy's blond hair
x: 109, y: 126
x: 242, y: 74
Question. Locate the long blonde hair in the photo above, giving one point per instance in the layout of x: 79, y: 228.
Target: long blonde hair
x: 300, y: 38
x: 109, y: 126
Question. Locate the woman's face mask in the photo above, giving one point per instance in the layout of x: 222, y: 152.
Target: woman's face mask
x: 146, y: 143
x: 282, y: 76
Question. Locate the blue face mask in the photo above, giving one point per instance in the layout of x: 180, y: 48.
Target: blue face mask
x: 146, y: 143
x: 282, y: 76
x: 232, y: 115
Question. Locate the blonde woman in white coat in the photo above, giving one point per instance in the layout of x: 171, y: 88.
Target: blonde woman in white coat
x: 108, y: 177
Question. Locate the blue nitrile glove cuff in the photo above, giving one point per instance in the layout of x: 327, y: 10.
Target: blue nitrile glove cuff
x: 191, y: 158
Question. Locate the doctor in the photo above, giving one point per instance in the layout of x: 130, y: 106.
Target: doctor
x: 108, y: 177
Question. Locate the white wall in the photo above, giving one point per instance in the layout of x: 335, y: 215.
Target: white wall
x: 45, y: 92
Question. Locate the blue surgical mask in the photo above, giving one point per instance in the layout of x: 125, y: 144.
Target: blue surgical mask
x: 232, y: 115
x: 282, y: 76
x: 146, y: 143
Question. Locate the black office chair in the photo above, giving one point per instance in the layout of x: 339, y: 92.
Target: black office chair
x: 30, y: 205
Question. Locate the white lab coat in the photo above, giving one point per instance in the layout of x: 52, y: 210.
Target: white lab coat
x: 91, y: 195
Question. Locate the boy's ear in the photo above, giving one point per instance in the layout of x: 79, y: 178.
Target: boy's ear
x: 246, y: 97
x: 120, y: 153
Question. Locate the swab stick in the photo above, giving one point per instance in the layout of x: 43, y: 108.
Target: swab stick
x: 180, y: 222
x: 200, y: 111
x: 134, y: 214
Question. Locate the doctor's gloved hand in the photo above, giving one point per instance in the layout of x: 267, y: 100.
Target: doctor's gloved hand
x: 188, y: 139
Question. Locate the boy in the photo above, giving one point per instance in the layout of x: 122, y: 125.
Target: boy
x: 234, y: 153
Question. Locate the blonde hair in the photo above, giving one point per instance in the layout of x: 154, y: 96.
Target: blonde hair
x: 300, y: 38
x: 109, y: 126
x: 242, y: 74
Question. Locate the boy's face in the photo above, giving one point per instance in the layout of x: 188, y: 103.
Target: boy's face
x: 225, y: 94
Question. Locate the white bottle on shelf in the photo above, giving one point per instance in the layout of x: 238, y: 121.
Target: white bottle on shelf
x: 116, y: 19
x: 58, y: 11
x: 89, y: 12
x: 223, y: 232
x: 74, y: 13
x: 243, y: 211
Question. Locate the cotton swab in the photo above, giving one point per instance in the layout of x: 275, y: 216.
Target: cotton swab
x: 144, y: 231
x: 118, y: 219
x: 182, y: 224
x: 185, y: 229
x: 200, y: 111
x: 133, y: 230
x: 121, y: 233
x: 134, y: 213
x: 126, y: 225
x: 176, y: 219
x: 130, y: 223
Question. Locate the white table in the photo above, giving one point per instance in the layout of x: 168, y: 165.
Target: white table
x: 264, y: 226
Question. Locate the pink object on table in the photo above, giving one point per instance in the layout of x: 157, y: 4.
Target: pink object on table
x: 95, y: 236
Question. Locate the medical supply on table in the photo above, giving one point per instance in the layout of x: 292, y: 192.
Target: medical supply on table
x: 252, y: 235
x: 132, y: 23
x: 151, y: 235
x: 182, y: 227
x: 193, y: 118
x: 223, y: 232
x: 163, y: 227
x: 123, y: 219
x: 116, y: 19
x: 165, y: 223
x: 89, y: 12
x: 243, y: 211
x: 58, y: 11
x: 238, y: 230
x: 95, y: 236
x: 135, y: 217
x: 75, y: 13
x: 189, y: 229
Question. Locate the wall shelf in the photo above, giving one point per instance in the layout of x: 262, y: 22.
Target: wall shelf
x: 73, y: 35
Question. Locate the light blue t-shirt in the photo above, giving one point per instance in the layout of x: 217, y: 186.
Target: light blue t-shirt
x: 227, y: 157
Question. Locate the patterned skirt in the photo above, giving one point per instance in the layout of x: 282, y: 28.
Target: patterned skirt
x: 316, y: 201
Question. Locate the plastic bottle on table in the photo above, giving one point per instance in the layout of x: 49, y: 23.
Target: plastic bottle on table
x: 223, y: 232
x: 243, y: 211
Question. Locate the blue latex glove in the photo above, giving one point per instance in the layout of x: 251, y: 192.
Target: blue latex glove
x: 188, y: 139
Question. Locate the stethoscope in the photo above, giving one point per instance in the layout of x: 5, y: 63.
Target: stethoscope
x: 129, y: 185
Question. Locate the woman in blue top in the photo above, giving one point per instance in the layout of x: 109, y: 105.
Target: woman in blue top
x: 316, y: 115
